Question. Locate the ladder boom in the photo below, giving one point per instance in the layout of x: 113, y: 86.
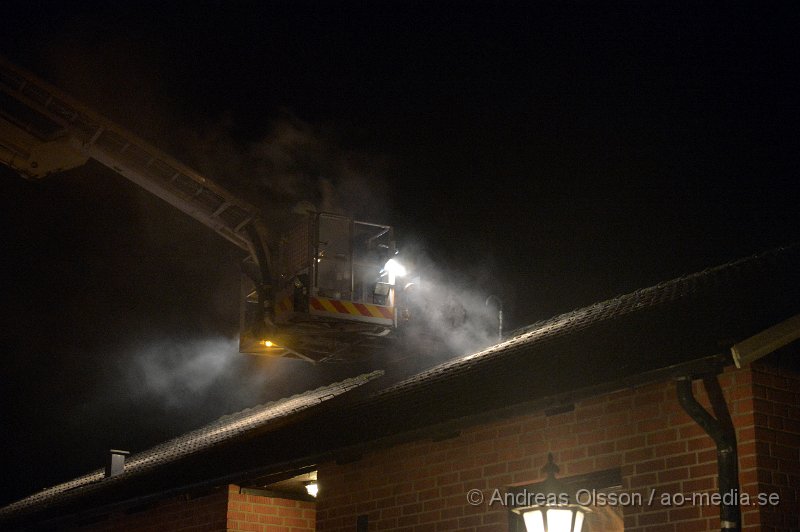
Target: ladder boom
x: 43, y: 131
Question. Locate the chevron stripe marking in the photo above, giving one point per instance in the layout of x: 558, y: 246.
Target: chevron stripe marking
x: 362, y: 309
x: 348, y: 307
x: 339, y: 306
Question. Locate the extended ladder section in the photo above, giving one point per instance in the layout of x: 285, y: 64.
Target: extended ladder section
x: 43, y: 131
x: 332, y: 301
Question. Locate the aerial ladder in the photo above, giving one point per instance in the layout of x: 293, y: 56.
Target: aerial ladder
x: 324, y: 291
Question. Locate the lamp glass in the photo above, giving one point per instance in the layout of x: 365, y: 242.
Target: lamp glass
x: 559, y: 520
x: 578, y: 521
x: 534, y: 522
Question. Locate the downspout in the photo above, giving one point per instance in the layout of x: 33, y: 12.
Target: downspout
x: 721, y: 430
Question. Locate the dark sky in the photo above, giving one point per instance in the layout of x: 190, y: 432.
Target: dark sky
x: 555, y: 154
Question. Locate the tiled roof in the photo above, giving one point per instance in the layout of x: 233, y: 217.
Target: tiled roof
x: 611, y: 343
x: 670, y: 324
x: 225, y: 429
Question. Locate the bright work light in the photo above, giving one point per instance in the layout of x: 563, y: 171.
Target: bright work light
x: 394, y: 268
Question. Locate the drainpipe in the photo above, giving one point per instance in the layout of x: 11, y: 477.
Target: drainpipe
x: 721, y: 430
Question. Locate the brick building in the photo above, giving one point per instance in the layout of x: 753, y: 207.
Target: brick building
x: 609, y: 390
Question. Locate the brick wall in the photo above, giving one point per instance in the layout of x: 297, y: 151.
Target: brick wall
x: 423, y: 485
x: 777, y: 432
x: 224, y: 510
x: 254, y: 513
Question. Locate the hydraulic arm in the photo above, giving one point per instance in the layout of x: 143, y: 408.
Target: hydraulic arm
x: 328, y: 295
x: 44, y: 131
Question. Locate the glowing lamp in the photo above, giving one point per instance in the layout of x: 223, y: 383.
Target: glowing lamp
x: 394, y: 268
x: 312, y: 488
x: 268, y: 343
x: 553, y: 518
x: 543, y: 519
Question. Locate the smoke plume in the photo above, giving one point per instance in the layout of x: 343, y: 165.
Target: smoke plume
x: 183, y: 379
x: 448, y: 309
x: 294, y: 161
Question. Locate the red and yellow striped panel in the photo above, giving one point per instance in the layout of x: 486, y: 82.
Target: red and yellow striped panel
x: 284, y: 305
x: 348, y: 307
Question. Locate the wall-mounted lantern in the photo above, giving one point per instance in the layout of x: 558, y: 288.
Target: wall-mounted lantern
x: 312, y: 488
x: 561, y: 513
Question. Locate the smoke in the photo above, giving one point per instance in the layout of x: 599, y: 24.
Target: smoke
x: 183, y: 383
x: 294, y: 161
x: 181, y: 366
x: 182, y: 373
x: 162, y: 377
x: 280, y: 162
x: 448, y: 310
x: 159, y: 310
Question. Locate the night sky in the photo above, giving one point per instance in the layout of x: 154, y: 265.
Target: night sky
x: 554, y: 154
